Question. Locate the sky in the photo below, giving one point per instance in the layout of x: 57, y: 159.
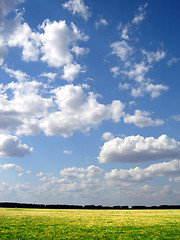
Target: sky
x: 89, y: 102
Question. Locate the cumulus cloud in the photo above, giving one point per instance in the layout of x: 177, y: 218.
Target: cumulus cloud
x: 77, y: 7
x: 139, y: 149
x: 141, y: 119
x: 11, y: 166
x: 20, y: 35
x: 71, y: 71
x: 81, y: 173
x: 141, y: 174
x: 57, y: 41
x: 78, y: 112
x: 10, y: 146
x: 154, y: 90
x: 6, y: 6
x: 107, y: 136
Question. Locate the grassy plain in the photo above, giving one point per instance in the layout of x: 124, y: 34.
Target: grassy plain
x: 89, y: 224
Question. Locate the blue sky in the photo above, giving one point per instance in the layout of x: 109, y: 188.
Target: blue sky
x: 89, y: 102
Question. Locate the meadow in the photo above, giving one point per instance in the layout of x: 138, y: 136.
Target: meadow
x: 89, y: 224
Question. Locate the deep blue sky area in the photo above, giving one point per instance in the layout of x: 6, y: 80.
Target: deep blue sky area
x: 89, y: 102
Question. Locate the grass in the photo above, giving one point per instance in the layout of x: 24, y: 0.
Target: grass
x: 89, y: 224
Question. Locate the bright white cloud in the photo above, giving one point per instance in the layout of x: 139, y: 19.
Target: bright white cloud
x: 57, y: 41
x: 141, y: 119
x: 141, y: 174
x: 77, y: 7
x: 71, y: 71
x: 78, y: 112
x: 21, y: 35
x: 10, y: 146
x: 139, y: 149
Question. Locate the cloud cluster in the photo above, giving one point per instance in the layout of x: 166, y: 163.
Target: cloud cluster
x: 55, y: 43
x: 139, y: 174
x: 133, y: 149
x: 130, y: 67
x: 25, y: 108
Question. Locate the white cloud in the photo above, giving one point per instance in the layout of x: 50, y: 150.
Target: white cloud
x: 57, y: 41
x: 107, y: 136
x: 67, y: 152
x: 137, y: 72
x: 80, y: 51
x: 116, y: 109
x: 10, y: 146
x: 124, y: 86
x: 49, y: 75
x: 121, y: 49
x: 77, y: 7
x: 142, y: 174
x: 141, y: 119
x: 173, y: 60
x: 116, y: 71
x: 17, y: 74
x: 140, y: 15
x: 21, y: 35
x: 78, y: 112
x: 176, y: 117
x: 6, y: 6
x: 154, y: 90
x: 82, y: 173
x: 124, y: 34
x: 101, y: 22
x: 11, y: 166
x: 71, y: 71
x: 139, y: 149
x: 154, y: 56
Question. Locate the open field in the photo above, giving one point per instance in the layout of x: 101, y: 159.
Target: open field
x: 89, y: 224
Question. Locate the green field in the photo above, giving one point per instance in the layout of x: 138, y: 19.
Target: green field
x: 89, y: 224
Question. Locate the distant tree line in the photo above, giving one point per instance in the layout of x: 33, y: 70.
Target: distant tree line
x: 64, y: 206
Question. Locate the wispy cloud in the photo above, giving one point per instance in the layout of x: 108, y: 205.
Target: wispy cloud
x: 77, y: 7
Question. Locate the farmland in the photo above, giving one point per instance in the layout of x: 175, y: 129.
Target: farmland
x: 89, y: 224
